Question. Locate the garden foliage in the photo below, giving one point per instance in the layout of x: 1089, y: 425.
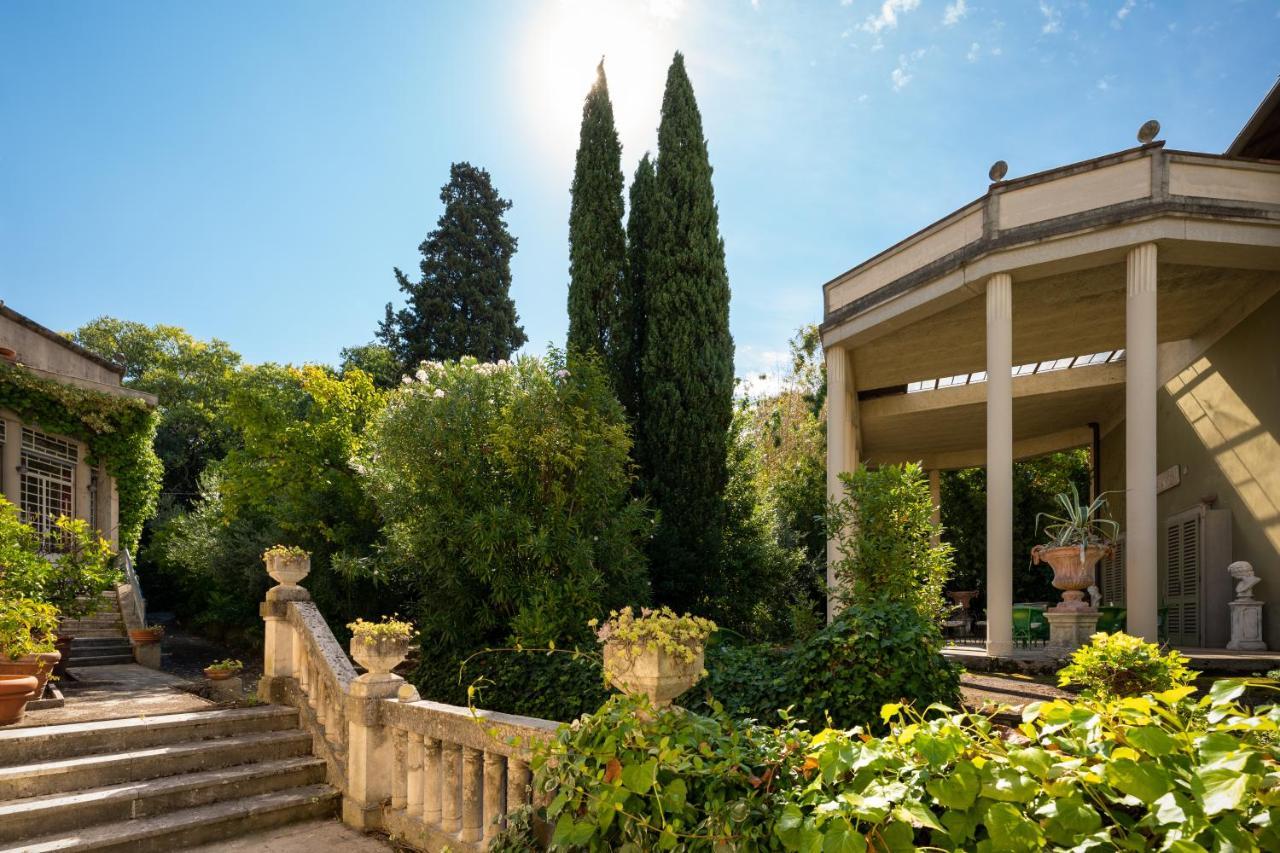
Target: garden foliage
x: 1112, y: 666
x: 1160, y: 772
x: 884, y: 524
x: 505, y: 490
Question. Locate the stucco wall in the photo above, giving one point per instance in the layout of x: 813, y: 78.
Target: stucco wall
x: 1219, y: 421
x: 37, y: 351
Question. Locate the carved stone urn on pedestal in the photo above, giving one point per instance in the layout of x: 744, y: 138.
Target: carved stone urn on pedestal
x: 1073, y: 621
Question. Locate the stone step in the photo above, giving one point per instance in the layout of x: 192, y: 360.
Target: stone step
x: 105, y: 621
x: 100, y: 660
x: 138, y: 765
x: 86, y: 643
x: 99, y: 633
x: 185, y: 828
x: 48, y: 743
x: 54, y: 813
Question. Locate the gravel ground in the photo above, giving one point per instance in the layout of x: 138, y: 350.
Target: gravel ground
x: 186, y: 655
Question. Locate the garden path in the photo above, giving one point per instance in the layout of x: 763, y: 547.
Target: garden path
x: 115, y: 692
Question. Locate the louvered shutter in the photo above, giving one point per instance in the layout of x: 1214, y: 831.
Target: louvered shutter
x: 1183, y: 541
x: 1113, y: 586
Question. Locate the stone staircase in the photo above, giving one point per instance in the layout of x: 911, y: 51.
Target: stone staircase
x: 158, y: 783
x: 100, y: 637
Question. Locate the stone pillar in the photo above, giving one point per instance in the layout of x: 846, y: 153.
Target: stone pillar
x: 1141, y: 385
x: 278, y: 656
x: 999, y: 465
x: 935, y: 497
x: 371, y: 755
x: 842, y: 448
x: 12, y: 459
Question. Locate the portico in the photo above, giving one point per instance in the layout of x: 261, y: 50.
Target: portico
x: 1065, y: 309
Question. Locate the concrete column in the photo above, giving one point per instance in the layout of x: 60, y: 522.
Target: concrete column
x: 12, y: 459
x: 935, y: 496
x: 999, y: 465
x: 371, y: 752
x: 842, y: 448
x: 1141, y: 386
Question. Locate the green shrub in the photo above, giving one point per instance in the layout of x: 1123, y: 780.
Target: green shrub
x: 27, y: 627
x: 71, y: 580
x: 885, y: 528
x: 1115, y: 665
x: 561, y: 685
x: 505, y: 490
x: 1161, y: 773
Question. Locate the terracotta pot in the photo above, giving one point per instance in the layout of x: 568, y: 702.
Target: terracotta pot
x: 288, y: 570
x: 8, y: 354
x: 379, y: 656
x: 654, y: 672
x: 1072, y: 570
x: 15, y: 692
x: 40, y: 666
x: 220, y: 674
x: 146, y: 636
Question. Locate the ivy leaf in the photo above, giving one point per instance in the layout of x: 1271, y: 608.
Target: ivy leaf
x: 1147, y: 782
x: 840, y: 838
x: 1222, y: 789
x: 1151, y: 740
x: 1169, y: 810
x: 1010, y: 830
x: 1033, y: 760
x: 638, y: 778
x: 1069, y: 818
x: 915, y: 811
x: 1007, y: 784
x: 957, y: 791
x: 1226, y: 689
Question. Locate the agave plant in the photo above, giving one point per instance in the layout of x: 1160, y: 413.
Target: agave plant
x: 1079, y: 524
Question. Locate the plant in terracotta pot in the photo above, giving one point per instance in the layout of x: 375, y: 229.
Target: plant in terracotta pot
x: 223, y: 669
x: 287, y: 564
x: 656, y: 653
x: 27, y: 629
x: 1078, y: 538
x: 147, y: 634
x: 379, y: 647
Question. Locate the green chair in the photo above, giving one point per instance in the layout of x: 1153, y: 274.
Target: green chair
x: 1111, y: 620
x: 1022, y: 626
x: 1039, y: 625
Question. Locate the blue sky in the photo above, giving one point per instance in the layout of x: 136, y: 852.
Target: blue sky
x: 253, y: 171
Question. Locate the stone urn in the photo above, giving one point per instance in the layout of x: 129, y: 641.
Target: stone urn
x: 288, y: 569
x: 38, y: 666
x: 655, y: 672
x: 15, y: 692
x: 1072, y: 571
x: 379, y: 655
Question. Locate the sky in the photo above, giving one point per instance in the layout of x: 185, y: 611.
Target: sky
x: 253, y: 171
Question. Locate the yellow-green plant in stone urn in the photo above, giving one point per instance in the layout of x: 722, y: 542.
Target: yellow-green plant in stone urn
x: 657, y: 653
x: 379, y: 647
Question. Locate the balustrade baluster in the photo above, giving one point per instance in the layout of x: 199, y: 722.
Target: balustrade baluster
x: 400, y: 769
x: 431, y: 780
x: 519, y: 779
x: 414, y: 793
x: 451, y: 788
x: 472, y: 794
x: 495, y: 771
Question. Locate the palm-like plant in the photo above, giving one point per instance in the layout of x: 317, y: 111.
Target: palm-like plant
x: 1079, y: 524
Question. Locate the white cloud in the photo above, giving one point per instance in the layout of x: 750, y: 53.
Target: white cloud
x: 1123, y: 12
x: 953, y: 13
x: 1052, y: 19
x: 667, y: 10
x: 902, y: 75
x: 975, y: 50
x: 863, y: 98
x: 887, y: 19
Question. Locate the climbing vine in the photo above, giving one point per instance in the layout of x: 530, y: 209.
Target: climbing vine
x: 118, y: 431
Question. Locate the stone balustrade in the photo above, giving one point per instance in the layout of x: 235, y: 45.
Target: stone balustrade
x: 434, y: 776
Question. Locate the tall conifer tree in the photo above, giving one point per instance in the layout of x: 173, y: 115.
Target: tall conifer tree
x: 462, y: 304
x: 687, y: 366
x: 597, y: 241
x: 628, y: 339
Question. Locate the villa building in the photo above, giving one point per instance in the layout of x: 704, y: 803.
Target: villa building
x: 46, y: 474
x: 1129, y: 304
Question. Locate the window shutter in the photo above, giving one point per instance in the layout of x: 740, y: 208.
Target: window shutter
x: 1113, y: 587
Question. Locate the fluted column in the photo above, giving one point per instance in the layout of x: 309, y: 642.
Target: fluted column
x: 999, y: 464
x: 1141, y: 386
x: 842, y: 448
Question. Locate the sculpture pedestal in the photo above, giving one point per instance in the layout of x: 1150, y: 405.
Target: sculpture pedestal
x: 1246, y: 626
x: 1069, y: 629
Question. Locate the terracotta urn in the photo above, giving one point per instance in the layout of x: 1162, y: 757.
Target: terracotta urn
x: 15, y: 692
x: 219, y: 674
x: 288, y: 569
x: 8, y: 354
x: 146, y: 636
x: 1072, y: 570
x: 39, y: 666
x: 379, y: 655
x: 657, y: 673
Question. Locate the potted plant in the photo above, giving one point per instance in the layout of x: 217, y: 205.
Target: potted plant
x: 288, y: 564
x: 1078, y: 539
x: 656, y: 653
x: 147, y: 634
x: 15, y: 692
x: 223, y: 669
x: 379, y: 647
x: 27, y: 629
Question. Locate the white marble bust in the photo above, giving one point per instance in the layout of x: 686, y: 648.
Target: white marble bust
x: 1245, y: 578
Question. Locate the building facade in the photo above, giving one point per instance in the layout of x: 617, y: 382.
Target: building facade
x: 1129, y: 304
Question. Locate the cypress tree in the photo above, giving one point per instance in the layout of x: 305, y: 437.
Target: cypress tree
x: 628, y: 338
x: 462, y: 304
x: 597, y: 242
x: 687, y: 365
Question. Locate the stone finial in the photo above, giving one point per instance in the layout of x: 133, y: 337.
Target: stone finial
x: 1149, y: 131
x: 1245, y: 578
x: 998, y: 170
